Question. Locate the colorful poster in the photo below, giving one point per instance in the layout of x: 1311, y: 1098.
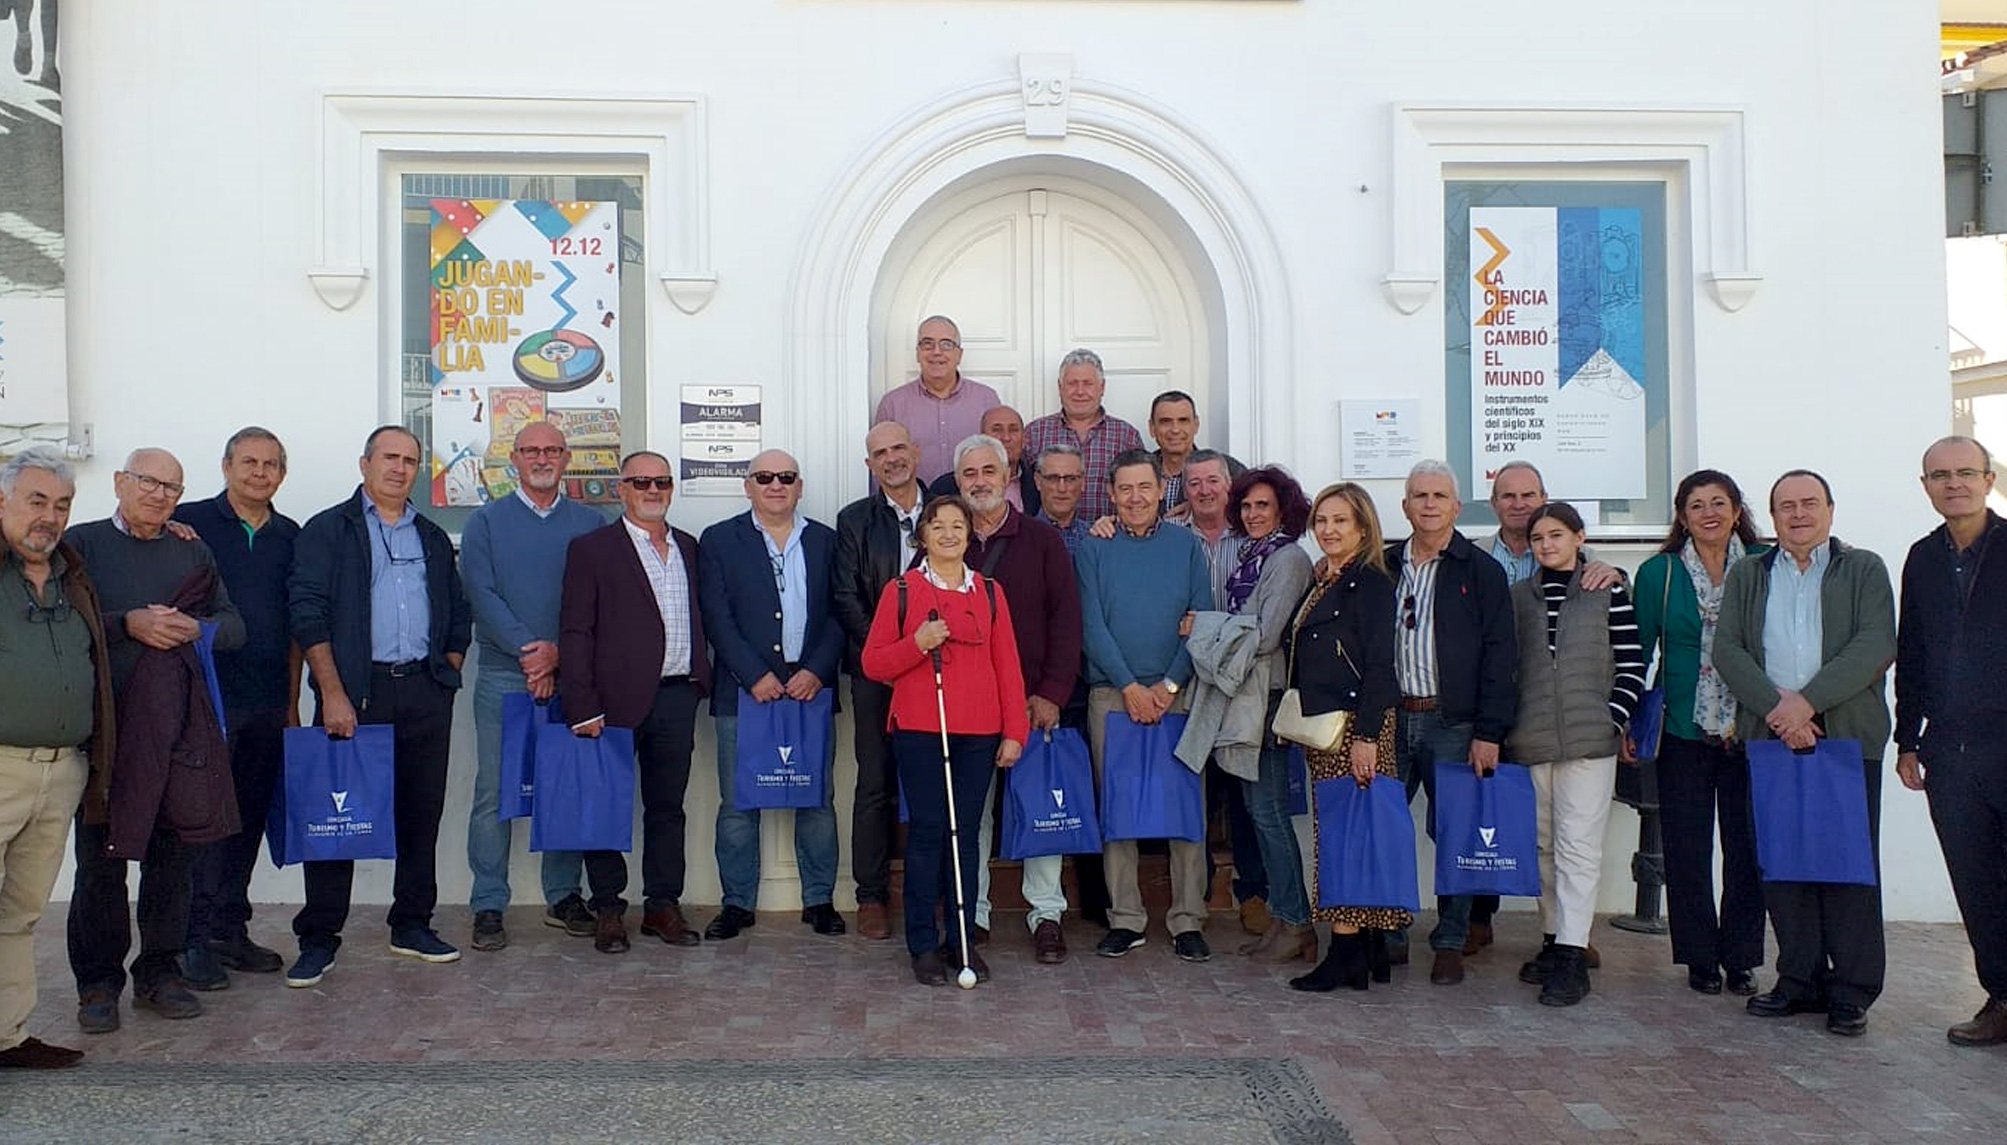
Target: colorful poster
x: 525, y: 299
x: 1558, y: 348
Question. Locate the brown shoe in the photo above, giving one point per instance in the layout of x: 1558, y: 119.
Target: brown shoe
x: 1448, y: 968
x: 1987, y: 1028
x: 666, y: 923
x: 1590, y: 958
x: 874, y: 920
x: 1048, y: 943
x: 34, y: 1053
x: 1254, y: 916
x: 1478, y: 938
x: 609, y: 934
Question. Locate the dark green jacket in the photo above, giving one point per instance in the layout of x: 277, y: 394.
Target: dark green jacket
x: 1857, y: 614
x: 1674, y: 614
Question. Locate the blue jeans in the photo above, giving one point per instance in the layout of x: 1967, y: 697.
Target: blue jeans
x: 488, y: 838
x: 930, y: 870
x: 1426, y: 740
x: 1267, y: 798
x: 738, y: 845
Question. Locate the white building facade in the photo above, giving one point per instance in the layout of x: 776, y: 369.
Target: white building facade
x: 1270, y: 205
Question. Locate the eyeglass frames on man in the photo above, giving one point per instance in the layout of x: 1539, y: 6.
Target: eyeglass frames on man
x: 151, y: 485
x: 542, y: 450
x: 768, y: 476
x: 944, y: 345
x: 1944, y: 476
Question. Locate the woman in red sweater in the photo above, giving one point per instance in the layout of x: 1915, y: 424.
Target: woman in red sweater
x: 944, y: 605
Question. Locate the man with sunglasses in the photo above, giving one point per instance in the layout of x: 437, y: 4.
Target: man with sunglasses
x: 773, y: 635
x: 378, y: 608
x: 1457, y: 658
x: 631, y: 638
x: 512, y: 559
x: 138, y: 566
x: 57, y: 719
x: 940, y: 407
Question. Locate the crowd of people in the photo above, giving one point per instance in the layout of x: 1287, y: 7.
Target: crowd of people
x: 1001, y: 581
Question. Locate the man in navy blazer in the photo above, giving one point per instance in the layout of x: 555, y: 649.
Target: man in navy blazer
x: 631, y: 654
x: 766, y: 578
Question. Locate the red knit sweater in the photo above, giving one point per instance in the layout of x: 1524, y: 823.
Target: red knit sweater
x: 982, y: 681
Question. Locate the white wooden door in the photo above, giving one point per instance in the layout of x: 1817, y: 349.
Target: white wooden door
x: 1033, y: 271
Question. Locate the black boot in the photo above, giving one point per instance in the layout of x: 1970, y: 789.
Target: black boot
x: 1345, y: 964
x: 1377, y: 958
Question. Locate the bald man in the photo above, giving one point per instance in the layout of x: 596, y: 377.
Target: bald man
x: 772, y: 636
x: 1007, y: 426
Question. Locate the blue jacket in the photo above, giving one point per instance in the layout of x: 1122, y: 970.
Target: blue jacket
x: 329, y: 596
x: 742, y: 609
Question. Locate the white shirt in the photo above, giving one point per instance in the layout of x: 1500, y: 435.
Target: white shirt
x: 671, y: 585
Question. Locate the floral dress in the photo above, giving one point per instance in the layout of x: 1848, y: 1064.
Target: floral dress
x: 1338, y: 765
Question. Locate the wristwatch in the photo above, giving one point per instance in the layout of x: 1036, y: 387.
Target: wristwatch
x: 1171, y: 686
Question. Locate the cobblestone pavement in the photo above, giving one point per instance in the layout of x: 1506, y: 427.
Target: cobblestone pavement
x: 785, y: 1034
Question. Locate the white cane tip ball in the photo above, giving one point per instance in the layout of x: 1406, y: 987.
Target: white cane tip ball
x: 966, y: 979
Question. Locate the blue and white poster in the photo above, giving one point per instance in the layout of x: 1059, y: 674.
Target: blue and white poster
x: 1558, y: 348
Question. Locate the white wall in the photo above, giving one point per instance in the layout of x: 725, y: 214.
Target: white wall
x: 194, y: 197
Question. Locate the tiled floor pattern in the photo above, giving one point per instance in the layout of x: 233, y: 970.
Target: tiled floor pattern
x: 1643, y: 1059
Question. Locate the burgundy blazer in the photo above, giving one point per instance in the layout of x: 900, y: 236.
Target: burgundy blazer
x: 610, y: 632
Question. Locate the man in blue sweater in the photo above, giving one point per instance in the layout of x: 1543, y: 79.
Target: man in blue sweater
x: 512, y: 560
x: 1137, y: 663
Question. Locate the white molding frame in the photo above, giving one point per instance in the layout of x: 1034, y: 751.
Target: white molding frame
x: 1711, y: 142
x: 358, y: 130
x: 938, y: 149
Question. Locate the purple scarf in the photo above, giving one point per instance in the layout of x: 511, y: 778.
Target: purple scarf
x: 1253, y: 555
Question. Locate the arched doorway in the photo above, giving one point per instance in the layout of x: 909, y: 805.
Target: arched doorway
x: 1031, y: 266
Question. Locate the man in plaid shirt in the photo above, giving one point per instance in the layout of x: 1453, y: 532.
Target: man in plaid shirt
x: 1083, y: 422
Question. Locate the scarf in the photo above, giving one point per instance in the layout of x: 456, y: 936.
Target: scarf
x: 1713, y: 703
x: 1253, y: 555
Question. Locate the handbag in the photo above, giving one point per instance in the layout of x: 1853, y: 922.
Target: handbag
x: 1648, y: 723
x: 521, y: 717
x: 1048, y: 805
x: 1487, y: 832
x: 1146, y: 791
x: 585, y: 790
x: 1811, y: 813
x: 1323, y: 731
x: 336, y: 798
x: 782, y: 759
x: 1365, y: 845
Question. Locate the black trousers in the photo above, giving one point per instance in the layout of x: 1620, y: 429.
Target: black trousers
x: 662, y: 747
x: 1966, y: 779
x: 100, y: 923
x: 1701, y: 784
x: 1829, y: 935
x: 874, y: 812
x: 420, y: 712
x: 221, y: 907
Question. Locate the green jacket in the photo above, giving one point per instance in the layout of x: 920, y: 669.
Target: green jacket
x: 1857, y: 613
x: 1672, y: 613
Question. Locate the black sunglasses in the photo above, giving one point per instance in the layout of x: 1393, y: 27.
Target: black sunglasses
x: 1409, y: 605
x: 768, y: 477
x: 660, y: 484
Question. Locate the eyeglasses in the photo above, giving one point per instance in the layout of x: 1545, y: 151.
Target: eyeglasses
x: 57, y: 613
x: 1408, y: 606
x: 152, y: 485
x: 390, y: 551
x: 1944, y: 476
x: 1063, y: 478
x: 944, y: 345
x: 768, y: 477
x: 642, y: 484
x: 542, y: 450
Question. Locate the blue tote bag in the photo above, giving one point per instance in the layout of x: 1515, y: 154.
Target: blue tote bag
x: 521, y: 717
x: 1487, y: 832
x: 782, y: 762
x: 585, y: 790
x: 1146, y: 791
x: 1811, y: 813
x: 1049, y: 799
x: 336, y: 798
x: 1365, y: 845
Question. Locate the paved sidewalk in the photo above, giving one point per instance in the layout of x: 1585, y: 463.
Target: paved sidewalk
x: 1167, y: 1051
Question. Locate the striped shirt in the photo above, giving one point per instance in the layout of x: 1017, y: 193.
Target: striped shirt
x: 1628, y: 655
x: 1415, y: 625
x: 671, y: 585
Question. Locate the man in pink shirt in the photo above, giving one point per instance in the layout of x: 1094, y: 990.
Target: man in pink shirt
x: 940, y: 407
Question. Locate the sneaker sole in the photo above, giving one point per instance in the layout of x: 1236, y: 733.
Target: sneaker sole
x: 207, y: 987
x: 1107, y: 953
x: 408, y: 952
x: 303, y: 983
x: 499, y: 942
x: 1206, y: 957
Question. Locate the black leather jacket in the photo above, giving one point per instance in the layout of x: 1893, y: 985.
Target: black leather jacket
x: 870, y: 552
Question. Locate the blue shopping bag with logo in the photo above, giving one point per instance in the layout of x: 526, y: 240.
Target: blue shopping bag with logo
x: 521, y: 717
x: 782, y: 761
x: 1146, y: 791
x: 1049, y: 799
x: 1487, y: 832
x: 1299, y: 780
x: 1365, y: 845
x: 1811, y: 811
x: 336, y: 798
x: 585, y: 790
